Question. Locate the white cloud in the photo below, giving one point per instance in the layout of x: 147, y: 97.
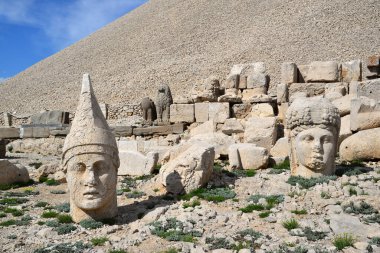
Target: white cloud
x: 2, y: 79
x: 65, y: 22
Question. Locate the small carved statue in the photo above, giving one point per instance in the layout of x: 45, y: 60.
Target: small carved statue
x: 149, y: 110
x: 163, y: 101
x: 313, y: 126
x: 91, y: 159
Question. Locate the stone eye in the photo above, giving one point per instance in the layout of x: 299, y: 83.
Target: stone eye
x: 327, y: 139
x: 80, y: 167
x: 308, y: 138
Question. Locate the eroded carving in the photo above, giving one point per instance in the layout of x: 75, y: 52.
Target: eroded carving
x: 163, y: 101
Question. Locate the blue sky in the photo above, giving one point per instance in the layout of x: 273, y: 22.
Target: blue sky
x: 31, y: 30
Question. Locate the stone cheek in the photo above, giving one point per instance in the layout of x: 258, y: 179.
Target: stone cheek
x: 92, y: 182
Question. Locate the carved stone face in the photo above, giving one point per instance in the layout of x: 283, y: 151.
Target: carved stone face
x: 92, y: 180
x: 315, y: 148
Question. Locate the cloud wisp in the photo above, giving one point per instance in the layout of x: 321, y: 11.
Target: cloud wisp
x: 65, y: 22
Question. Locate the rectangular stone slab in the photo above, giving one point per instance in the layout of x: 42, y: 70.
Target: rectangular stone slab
x: 9, y: 133
x: 122, y: 131
x: 34, y: 132
x: 160, y: 130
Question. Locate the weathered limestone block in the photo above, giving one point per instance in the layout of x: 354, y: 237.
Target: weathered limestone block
x: 206, y: 90
x: 262, y: 110
x: 201, y: 112
x: 345, y: 129
x: 282, y: 108
x: 311, y: 89
x: 370, y: 88
x: 219, y: 112
x: 343, y: 104
x: 303, y: 71
x: 282, y: 93
x: 352, y: 71
x: 373, y: 67
x: 281, y: 148
x: 190, y: 170
x: 163, y: 102
x: 232, y: 82
x: 49, y: 169
x: 363, y: 145
x: 258, y: 82
x: 261, y: 131
x: 219, y: 141
x: 127, y: 145
x: 231, y: 95
x: 134, y: 163
x: 313, y: 129
x: 365, y: 113
x: 247, y: 156
x: 232, y: 126
x: 335, y: 90
x: 296, y: 95
x: 289, y: 73
x: 323, y: 71
x: 34, y: 132
x: 43, y: 146
x: 206, y: 127
x: 240, y: 111
x: 12, y: 173
x: 90, y: 157
x: 7, y: 119
x: 254, y: 96
x: 182, y: 113
x: 122, y: 131
x: 50, y: 118
x: 177, y: 128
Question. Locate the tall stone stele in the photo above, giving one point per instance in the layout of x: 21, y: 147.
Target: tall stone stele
x: 91, y: 158
x: 313, y: 129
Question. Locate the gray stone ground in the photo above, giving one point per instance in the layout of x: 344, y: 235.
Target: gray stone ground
x: 324, y: 204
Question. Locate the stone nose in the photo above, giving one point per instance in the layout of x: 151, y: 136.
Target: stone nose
x: 89, y: 179
x: 317, y: 145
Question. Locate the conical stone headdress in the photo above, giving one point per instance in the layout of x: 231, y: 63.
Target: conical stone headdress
x: 89, y: 133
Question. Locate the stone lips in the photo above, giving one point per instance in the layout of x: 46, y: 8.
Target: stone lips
x: 179, y: 42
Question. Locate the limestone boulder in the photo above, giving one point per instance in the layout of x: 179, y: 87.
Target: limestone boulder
x: 352, y: 71
x: 261, y: 131
x: 182, y: 113
x: 247, y: 156
x: 282, y: 93
x: 12, y: 173
x: 201, y: 112
x: 262, y: 110
x: 232, y: 126
x: 206, y: 90
x: 343, y: 104
x: 137, y: 164
x: 219, y: 112
x: 369, y: 88
x: 289, y: 73
x: 49, y: 169
x: 363, y: 145
x: 50, y: 118
x: 190, y: 170
x: 206, y: 127
x: 345, y: 129
x: 365, y: 113
x: 281, y: 148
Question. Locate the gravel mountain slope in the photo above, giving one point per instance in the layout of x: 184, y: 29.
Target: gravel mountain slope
x: 181, y: 41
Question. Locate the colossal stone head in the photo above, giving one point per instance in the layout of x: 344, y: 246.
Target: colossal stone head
x: 91, y: 158
x: 313, y: 127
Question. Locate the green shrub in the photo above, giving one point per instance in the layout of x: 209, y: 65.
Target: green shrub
x: 135, y: 194
x: 57, y: 192
x: 64, y: 218
x: 12, y: 237
x: 65, y: 207
x: 51, y: 182
x: 77, y: 247
x: 325, y: 195
x: 299, y: 212
x: 375, y: 241
x: 249, y: 231
x: 307, y: 183
x: 41, y: 204
x: 218, y: 243
x: 117, y: 251
x: 8, y: 223
x: 52, y: 223
x: 49, y: 214
x: 4, y: 187
x: 170, y: 250
x: 352, y: 191
x: 213, y: 194
x: 2, y: 215
x: 362, y: 208
x: 191, y: 204
x: 15, y: 212
x: 280, y: 168
x: 290, y: 224
x: 41, y: 223
x: 90, y: 224
x: 99, y: 241
x: 264, y: 214
x: 65, y: 229
x: 344, y: 240
x: 272, y: 200
x: 156, y: 169
x: 374, y: 218
x: 173, y: 230
x: 313, y: 235
x: 252, y: 207
x: 13, y: 201
x: 242, y: 173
